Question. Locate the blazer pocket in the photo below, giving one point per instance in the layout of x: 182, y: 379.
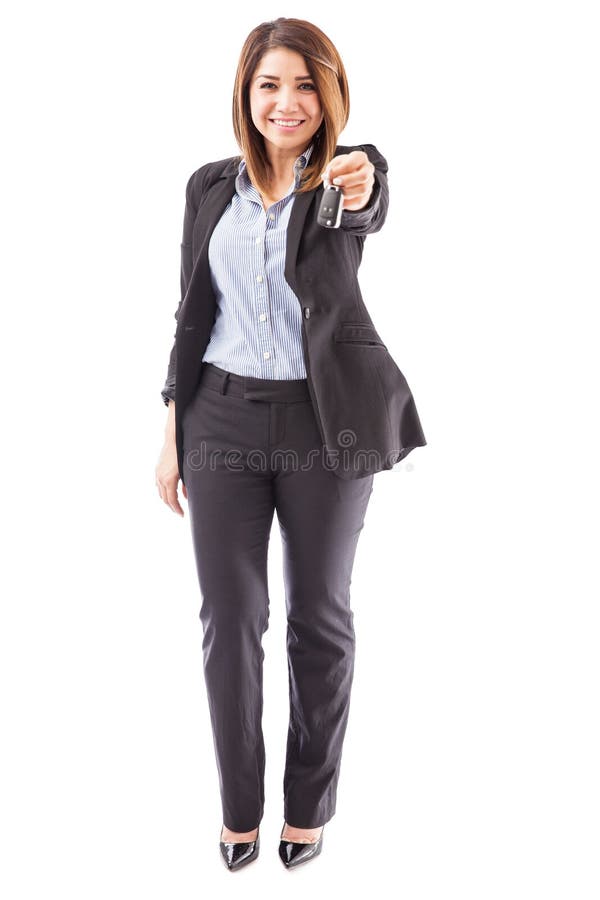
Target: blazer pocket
x: 361, y: 333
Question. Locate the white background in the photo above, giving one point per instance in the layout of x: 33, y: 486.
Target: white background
x: 470, y: 765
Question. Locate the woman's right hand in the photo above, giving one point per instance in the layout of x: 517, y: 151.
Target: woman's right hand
x: 167, y: 468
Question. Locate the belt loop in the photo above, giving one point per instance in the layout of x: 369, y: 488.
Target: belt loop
x: 224, y: 383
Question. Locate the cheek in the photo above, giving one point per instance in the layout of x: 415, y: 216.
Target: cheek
x: 314, y: 105
x: 259, y: 104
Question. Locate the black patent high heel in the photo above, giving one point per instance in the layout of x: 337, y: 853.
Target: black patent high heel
x: 293, y: 854
x: 236, y: 855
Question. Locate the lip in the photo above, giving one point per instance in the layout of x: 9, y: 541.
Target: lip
x: 287, y: 127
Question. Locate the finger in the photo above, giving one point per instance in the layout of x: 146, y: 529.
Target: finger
x: 363, y: 176
x: 169, y: 496
x: 348, y: 163
x: 355, y: 181
x: 173, y: 500
x: 335, y: 165
x: 326, y: 176
x: 363, y: 197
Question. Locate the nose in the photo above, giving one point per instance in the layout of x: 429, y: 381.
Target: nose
x: 287, y: 102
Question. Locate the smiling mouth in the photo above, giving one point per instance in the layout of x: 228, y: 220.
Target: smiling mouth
x: 287, y: 123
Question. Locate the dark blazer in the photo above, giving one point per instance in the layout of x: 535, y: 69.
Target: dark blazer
x: 363, y: 405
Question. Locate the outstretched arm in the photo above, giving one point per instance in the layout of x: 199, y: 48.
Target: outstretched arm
x: 363, y: 180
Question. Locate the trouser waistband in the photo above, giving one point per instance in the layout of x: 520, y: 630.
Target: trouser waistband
x: 265, y: 389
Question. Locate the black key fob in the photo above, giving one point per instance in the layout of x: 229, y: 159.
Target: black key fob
x: 330, y: 210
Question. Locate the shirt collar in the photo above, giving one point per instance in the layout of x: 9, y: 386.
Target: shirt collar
x: 300, y: 163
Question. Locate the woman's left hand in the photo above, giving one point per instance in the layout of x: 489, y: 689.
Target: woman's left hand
x: 353, y: 173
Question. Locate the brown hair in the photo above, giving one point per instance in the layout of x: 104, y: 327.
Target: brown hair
x: 327, y: 71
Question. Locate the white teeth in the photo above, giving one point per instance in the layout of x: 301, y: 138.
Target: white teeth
x: 287, y: 124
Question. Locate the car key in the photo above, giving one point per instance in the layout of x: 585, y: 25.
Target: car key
x: 330, y: 210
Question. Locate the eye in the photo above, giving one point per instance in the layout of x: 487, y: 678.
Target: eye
x: 267, y: 84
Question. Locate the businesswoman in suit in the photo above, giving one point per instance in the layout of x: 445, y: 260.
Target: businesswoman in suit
x: 246, y: 367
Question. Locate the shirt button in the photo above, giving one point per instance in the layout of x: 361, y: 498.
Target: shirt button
x: 271, y: 216
x: 266, y: 354
x: 262, y: 317
x: 258, y: 240
x: 259, y: 278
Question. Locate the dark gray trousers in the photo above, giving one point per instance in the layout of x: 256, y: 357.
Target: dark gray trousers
x: 247, y: 452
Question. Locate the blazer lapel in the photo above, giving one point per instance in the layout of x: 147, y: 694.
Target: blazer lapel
x: 294, y: 233
x: 212, y: 205
x: 210, y: 210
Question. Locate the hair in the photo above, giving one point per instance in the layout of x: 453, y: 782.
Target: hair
x: 326, y: 70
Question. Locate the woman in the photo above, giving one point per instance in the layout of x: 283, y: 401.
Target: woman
x: 276, y: 360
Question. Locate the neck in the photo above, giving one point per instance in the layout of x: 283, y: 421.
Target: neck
x: 282, y: 163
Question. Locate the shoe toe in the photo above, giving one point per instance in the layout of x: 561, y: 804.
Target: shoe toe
x: 237, y: 855
x: 293, y: 854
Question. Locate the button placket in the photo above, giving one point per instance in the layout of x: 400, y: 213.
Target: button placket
x: 266, y: 222
x: 265, y: 338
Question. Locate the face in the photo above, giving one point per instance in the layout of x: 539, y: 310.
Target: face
x: 288, y: 94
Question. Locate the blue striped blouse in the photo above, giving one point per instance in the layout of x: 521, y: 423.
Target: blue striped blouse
x: 258, y: 324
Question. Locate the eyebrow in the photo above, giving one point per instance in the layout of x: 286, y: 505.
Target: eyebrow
x: 276, y: 77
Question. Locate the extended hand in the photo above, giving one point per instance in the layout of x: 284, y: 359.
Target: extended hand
x: 353, y: 173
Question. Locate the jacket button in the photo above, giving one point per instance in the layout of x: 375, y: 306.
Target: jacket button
x: 307, y: 312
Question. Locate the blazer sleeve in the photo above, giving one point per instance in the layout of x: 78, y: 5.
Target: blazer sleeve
x: 372, y: 216
x: 189, y: 216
